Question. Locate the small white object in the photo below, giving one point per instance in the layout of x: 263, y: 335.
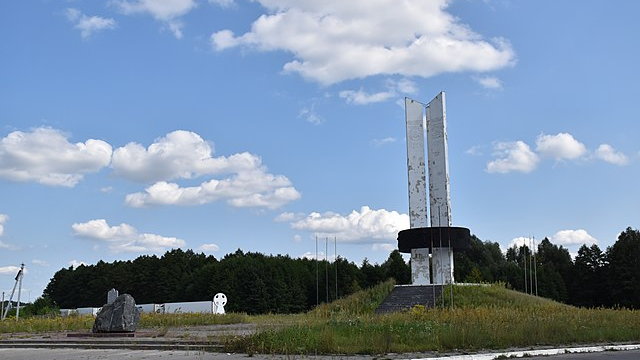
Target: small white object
x: 111, y: 296
x: 219, y: 301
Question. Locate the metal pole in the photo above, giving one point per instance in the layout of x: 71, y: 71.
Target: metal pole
x: 530, y: 268
x: 2, y: 306
x: 524, y: 262
x: 440, y: 257
x: 335, y: 261
x: 317, y: 280
x: 6, y: 310
x: 326, y: 267
x: 535, y: 264
x: 20, y: 274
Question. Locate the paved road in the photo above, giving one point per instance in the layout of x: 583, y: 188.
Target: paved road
x: 78, y: 354
x: 605, y: 355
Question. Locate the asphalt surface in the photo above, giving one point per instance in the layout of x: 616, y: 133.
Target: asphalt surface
x: 112, y: 354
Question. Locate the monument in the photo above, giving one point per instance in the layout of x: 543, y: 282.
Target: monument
x: 431, y: 247
x: 431, y: 240
x: 120, y: 316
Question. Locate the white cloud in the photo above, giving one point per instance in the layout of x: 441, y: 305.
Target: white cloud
x: 124, y: 237
x: 512, y: 156
x: 404, y: 86
x: 46, y: 156
x: 336, y: 40
x: 247, y: 189
x: 364, y: 225
x: 184, y: 154
x: 179, y: 154
x: 321, y: 256
x: 475, y: 150
x: 209, y: 248
x: 288, y: 217
x: 560, y: 146
x: 606, y: 152
x: 223, y: 3
x: 4, y: 245
x: 361, y: 97
x: 310, y: 115
x: 573, y: 237
x: 39, y: 262
x: 3, y: 220
x: 89, y: 24
x: 166, y: 11
x: 297, y: 238
x: 489, y: 82
x: 521, y: 241
x: 75, y: 263
x: 10, y: 270
x: 383, y: 141
x: 386, y: 247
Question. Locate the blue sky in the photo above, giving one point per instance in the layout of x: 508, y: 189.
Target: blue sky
x: 130, y: 127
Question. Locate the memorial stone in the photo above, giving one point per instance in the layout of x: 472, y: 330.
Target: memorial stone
x: 121, y: 315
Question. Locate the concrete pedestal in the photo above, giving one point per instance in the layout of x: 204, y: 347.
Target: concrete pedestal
x: 442, y: 261
x: 420, y: 274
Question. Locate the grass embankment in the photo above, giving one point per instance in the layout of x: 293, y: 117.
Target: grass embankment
x: 85, y: 322
x: 488, y: 317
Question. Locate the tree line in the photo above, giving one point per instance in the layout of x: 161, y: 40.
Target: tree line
x: 258, y: 283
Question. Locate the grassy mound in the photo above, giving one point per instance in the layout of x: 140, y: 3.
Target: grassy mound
x: 482, y: 317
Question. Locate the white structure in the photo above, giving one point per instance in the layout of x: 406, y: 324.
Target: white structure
x: 111, y: 296
x: 430, y: 118
x: 219, y: 301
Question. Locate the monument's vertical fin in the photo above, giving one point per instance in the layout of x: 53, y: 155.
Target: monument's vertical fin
x: 414, y: 113
x: 439, y: 196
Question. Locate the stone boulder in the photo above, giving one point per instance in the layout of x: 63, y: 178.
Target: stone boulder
x: 120, y: 316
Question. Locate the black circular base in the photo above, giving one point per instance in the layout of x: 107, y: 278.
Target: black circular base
x: 457, y: 238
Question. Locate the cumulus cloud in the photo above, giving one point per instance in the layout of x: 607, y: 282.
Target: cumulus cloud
x: 289, y: 217
x: 606, y: 152
x: 4, y: 245
x: 179, y: 154
x: 393, y: 89
x: 39, y: 262
x: 184, y: 154
x: 124, y: 237
x: 46, y: 156
x: 310, y: 115
x: 10, y: 270
x: 209, y: 248
x: 75, y: 263
x: 512, y: 156
x: 383, y: 141
x: 386, y: 247
x: 573, y: 237
x: 489, y: 82
x: 247, y: 189
x: 360, y: 97
x: 223, y: 3
x: 364, y: 225
x: 88, y: 24
x: 336, y: 40
x: 166, y: 11
x: 3, y: 220
x: 521, y: 241
x: 560, y: 146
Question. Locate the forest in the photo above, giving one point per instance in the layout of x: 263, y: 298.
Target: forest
x: 256, y: 283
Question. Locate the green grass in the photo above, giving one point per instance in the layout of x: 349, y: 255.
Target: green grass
x: 85, y: 322
x: 483, y: 317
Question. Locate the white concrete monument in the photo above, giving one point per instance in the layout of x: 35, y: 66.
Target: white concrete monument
x: 431, y: 247
x: 219, y: 301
